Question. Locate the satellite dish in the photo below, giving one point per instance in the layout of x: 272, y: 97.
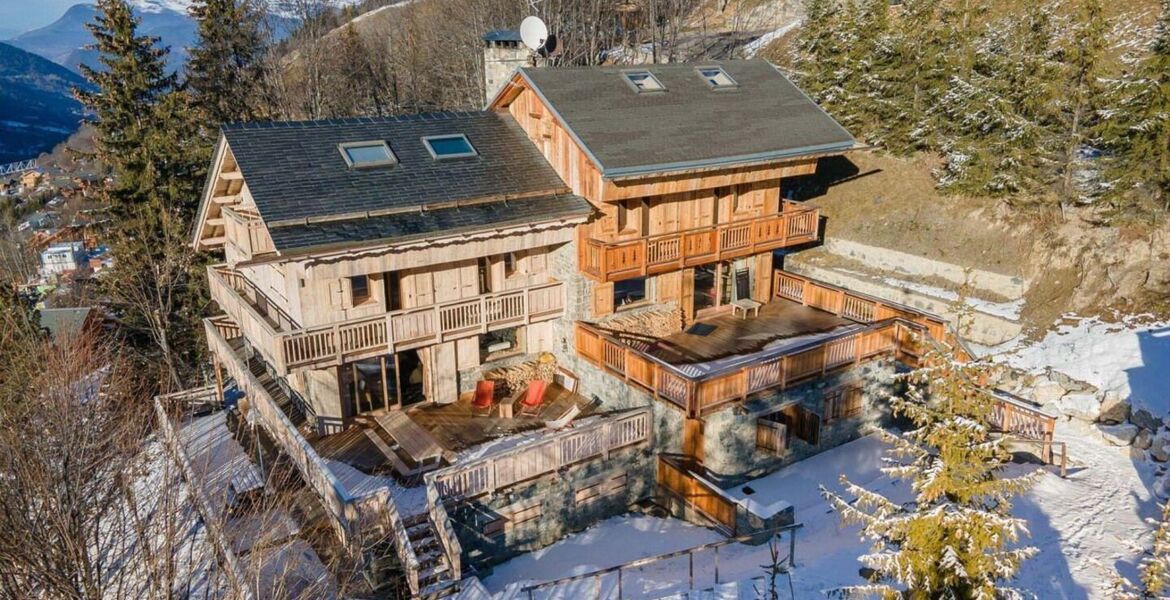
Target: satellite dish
x: 534, y: 32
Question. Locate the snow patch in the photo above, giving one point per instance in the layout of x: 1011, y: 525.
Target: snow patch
x: 1130, y: 357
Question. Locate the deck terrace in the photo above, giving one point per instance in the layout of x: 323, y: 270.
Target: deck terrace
x: 454, y: 427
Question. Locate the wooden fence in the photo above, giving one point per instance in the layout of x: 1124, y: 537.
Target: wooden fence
x: 550, y: 453
x: 212, y: 519
x: 648, y: 255
x: 704, y: 497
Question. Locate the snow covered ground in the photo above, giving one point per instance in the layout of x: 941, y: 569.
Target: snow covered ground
x: 1131, y: 357
x: 1087, y: 527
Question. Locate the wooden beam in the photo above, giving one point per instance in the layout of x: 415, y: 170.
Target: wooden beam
x: 216, y: 222
x: 231, y: 176
x: 214, y: 241
x: 228, y: 199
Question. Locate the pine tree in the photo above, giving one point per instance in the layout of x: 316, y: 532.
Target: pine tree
x: 999, y: 136
x: 123, y: 95
x: 822, y: 49
x: 227, y: 69
x: 1155, y: 568
x: 1083, y: 51
x: 1136, y: 130
x: 956, y: 540
x: 148, y: 132
x: 916, y: 79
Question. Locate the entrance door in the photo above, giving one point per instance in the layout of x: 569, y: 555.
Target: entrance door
x: 410, y: 377
x: 712, y: 287
x: 369, y: 385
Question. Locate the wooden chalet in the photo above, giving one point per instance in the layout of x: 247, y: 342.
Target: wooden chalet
x: 378, y: 272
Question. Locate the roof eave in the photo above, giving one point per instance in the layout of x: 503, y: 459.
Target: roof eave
x: 635, y: 172
x: 208, y: 186
x: 325, y: 250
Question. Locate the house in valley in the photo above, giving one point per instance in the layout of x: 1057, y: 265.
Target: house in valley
x: 538, y: 315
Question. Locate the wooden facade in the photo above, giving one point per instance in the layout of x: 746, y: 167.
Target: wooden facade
x: 666, y: 224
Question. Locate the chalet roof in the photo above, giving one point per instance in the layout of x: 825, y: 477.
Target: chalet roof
x: 295, y: 171
x: 424, y: 224
x: 690, y: 124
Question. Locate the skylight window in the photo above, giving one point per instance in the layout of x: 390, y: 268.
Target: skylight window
x: 643, y: 81
x: 443, y: 147
x: 364, y: 155
x: 716, y: 77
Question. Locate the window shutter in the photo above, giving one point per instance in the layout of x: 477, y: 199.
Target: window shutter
x: 602, y: 299
x: 336, y: 295
x: 347, y: 293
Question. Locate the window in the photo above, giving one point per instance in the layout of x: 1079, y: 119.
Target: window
x: 717, y: 78
x: 393, y: 291
x: 484, y: 269
x: 495, y: 345
x: 629, y: 291
x: 510, y: 264
x: 631, y: 216
x: 359, y: 289
x: 362, y: 155
x: 771, y: 433
x: 643, y: 81
x: 443, y: 147
x: 843, y: 403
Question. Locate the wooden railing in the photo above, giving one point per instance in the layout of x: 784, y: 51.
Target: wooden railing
x: 862, y: 308
x: 702, y: 496
x: 702, y: 394
x: 286, y: 345
x: 552, y: 452
x: 639, y: 566
x: 441, y: 522
x: 406, y: 554
x: 245, y: 231
x: 334, y: 497
x: 213, y: 518
x: 254, y: 314
x: 416, y: 327
x: 648, y: 255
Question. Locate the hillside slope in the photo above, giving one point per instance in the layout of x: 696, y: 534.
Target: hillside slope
x: 37, y: 108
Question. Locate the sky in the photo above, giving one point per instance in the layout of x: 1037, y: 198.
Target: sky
x: 19, y: 16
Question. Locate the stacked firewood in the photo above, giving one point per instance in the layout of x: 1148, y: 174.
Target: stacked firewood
x: 654, y: 323
x: 516, y: 377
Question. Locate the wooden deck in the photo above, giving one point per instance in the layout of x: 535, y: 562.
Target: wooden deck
x: 457, y: 428
x: 734, y: 335
x: 453, y: 426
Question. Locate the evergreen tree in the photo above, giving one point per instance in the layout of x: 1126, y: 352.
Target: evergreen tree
x: 917, y: 78
x: 1136, y: 130
x: 998, y: 135
x: 1155, y: 569
x: 822, y: 48
x: 227, y: 70
x: 124, y: 93
x: 955, y: 541
x: 150, y: 139
x: 1083, y: 51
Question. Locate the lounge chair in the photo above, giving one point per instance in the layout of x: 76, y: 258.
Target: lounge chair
x: 564, y: 420
x: 484, y: 400
x: 533, y: 397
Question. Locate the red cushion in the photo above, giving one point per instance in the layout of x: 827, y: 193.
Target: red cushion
x: 484, y: 392
x: 535, y: 393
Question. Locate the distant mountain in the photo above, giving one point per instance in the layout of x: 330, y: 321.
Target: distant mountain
x: 64, y: 41
x: 37, y: 108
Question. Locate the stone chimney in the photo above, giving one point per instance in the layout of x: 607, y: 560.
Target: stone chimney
x: 503, y: 53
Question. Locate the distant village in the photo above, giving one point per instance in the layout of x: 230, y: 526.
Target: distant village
x: 54, y: 228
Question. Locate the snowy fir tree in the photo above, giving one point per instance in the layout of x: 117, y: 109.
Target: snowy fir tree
x: 1135, y: 130
x: 227, y: 69
x: 1155, y: 569
x: 958, y: 538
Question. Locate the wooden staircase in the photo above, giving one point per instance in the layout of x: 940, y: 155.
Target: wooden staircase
x: 287, y: 406
x: 434, y: 577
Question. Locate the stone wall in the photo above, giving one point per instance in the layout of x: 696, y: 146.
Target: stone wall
x: 730, y: 435
x: 539, y: 512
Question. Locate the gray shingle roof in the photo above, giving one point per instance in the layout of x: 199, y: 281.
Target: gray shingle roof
x: 690, y: 125
x: 295, y: 171
x: 415, y: 225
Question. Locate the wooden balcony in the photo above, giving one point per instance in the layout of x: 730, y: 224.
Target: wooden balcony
x: 286, y: 345
x: 701, y: 374
x: 245, y: 233
x: 648, y: 255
